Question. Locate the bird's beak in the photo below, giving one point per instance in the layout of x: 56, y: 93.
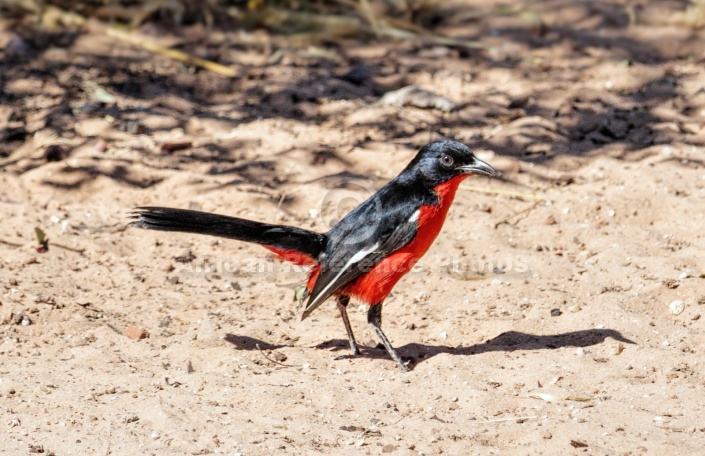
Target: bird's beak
x: 478, y: 167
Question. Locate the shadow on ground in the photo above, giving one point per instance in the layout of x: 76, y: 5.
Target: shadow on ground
x: 417, y: 353
x: 537, y: 128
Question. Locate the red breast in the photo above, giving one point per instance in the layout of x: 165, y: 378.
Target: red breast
x: 375, y: 285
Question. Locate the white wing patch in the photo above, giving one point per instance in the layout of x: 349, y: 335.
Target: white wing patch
x: 415, y: 216
x: 359, y: 256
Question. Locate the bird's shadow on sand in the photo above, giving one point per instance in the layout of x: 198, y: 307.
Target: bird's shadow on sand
x: 417, y: 353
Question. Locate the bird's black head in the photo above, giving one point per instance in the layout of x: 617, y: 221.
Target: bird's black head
x: 440, y: 161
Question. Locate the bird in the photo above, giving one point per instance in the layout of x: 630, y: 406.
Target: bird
x: 365, y: 254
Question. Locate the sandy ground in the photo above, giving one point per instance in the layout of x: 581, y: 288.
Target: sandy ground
x: 559, y: 312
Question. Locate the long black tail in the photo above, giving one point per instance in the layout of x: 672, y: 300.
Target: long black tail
x: 279, y: 236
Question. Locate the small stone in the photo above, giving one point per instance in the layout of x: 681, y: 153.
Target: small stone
x: 551, y: 220
x: 618, y: 349
x: 185, y: 257
x: 685, y: 275
x: 135, y: 333
x: 556, y: 312
x: 128, y: 418
x: 580, y: 351
x: 547, y: 435
x: 17, y: 318
x: 100, y: 146
x: 133, y: 127
x: 676, y: 307
x: 279, y: 356
x: 418, y: 97
x: 165, y: 322
x: 189, y: 367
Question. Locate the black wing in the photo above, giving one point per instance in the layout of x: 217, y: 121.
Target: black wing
x: 365, y: 237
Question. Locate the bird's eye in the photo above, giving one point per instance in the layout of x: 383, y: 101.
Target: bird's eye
x: 446, y: 160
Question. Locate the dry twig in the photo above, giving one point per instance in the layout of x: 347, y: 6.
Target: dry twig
x: 149, y: 45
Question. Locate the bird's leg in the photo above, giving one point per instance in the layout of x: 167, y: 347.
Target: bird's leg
x: 374, y: 318
x: 343, y: 301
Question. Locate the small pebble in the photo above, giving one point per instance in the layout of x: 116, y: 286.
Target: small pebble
x: 135, y: 333
x: 685, y: 275
x: 185, y: 257
x: 556, y: 312
x: 17, y: 318
x: 129, y: 418
x: 279, y: 356
x: 676, y: 307
x: 618, y: 349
